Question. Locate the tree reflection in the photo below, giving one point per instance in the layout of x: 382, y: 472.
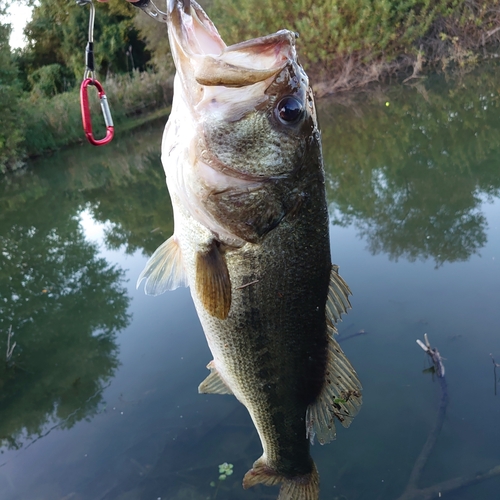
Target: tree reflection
x: 411, y: 169
x: 65, y: 305
x: 64, y: 302
x: 137, y: 207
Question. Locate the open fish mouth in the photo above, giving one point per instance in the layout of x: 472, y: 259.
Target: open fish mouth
x: 201, y: 55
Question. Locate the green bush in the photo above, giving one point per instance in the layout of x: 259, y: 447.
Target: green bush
x: 54, y: 122
x: 344, y: 38
x: 12, y: 129
x: 333, y: 29
x: 50, y: 80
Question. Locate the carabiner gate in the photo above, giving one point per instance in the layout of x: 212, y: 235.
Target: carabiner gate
x: 150, y: 8
x: 87, y: 120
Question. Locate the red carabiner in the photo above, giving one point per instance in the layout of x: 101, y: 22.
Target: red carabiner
x: 87, y: 121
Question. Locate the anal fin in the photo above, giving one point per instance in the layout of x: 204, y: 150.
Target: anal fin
x: 213, y: 384
x: 164, y: 270
x: 213, y: 283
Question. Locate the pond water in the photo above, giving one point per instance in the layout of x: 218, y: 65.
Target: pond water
x: 98, y: 399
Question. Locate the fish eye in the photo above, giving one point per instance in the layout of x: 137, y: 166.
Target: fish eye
x: 289, y: 110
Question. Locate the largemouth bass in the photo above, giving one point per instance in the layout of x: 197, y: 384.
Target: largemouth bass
x: 242, y: 157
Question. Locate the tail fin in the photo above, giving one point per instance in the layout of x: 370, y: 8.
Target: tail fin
x: 305, y: 487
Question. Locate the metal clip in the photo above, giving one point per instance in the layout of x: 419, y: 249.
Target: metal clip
x: 152, y: 10
x: 89, y: 49
x: 87, y: 120
x: 89, y: 79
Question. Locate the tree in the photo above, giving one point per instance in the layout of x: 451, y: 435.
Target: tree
x: 12, y: 130
x: 58, y: 34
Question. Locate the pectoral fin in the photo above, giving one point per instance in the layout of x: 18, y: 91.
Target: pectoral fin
x: 164, y: 270
x: 213, y: 283
x: 213, y: 384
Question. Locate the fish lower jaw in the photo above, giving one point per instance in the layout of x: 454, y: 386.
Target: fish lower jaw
x: 191, y: 186
x: 193, y: 224
x: 223, y: 178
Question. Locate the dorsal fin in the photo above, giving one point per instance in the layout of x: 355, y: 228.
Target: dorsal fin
x: 164, y: 270
x: 213, y: 283
x: 337, y: 302
x: 213, y: 384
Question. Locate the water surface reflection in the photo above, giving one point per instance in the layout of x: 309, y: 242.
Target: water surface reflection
x: 108, y: 377
x: 64, y: 305
x: 411, y: 167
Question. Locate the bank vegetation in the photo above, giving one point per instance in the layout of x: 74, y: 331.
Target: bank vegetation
x: 343, y: 44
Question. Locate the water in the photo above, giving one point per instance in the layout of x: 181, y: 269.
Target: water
x: 99, y: 397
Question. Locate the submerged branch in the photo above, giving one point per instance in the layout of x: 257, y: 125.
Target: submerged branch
x: 418, y: 467
x: 434, y: 354
x: 437, y: 490
x: 412, y: 492
x: 495, y: 365
x: 10, y: 349
x: 351, y: 335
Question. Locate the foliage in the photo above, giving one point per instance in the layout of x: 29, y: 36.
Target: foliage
x: 39, y: 123
x: 49, y: 118
x: 225, y: 470
x: 352, y: 42
x: 343, y: 44
x: 58, y: 33
x: 12, y: 130
x: 50, y: 80
x: 52, y: 123
x: 334, y: 28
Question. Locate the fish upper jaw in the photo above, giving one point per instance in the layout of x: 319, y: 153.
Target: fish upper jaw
x: 203, y: 59
x: 192, y: 31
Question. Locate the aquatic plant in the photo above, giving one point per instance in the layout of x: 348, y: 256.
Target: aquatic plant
x: 225, y: 470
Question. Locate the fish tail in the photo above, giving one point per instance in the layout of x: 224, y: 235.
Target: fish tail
x: 301, y: 487
x: 304, y: 487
